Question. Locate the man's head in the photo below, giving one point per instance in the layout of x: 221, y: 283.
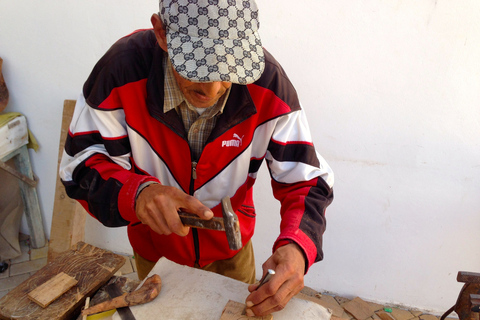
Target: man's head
x: 211, y: 40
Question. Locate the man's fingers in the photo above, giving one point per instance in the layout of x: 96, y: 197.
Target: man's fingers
x: 151, y: 217
x: 193, y: 205
x: 158, y: 206
x: 274, y: 302
x: 277, y: 298
x: 289, y: 264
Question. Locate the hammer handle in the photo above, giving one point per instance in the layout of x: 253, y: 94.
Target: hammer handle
x: 191, y: 220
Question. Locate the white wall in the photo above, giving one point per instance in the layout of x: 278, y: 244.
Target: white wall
x: 392, y: 90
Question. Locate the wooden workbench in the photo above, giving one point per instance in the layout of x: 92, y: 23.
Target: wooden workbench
x: 92, y: 267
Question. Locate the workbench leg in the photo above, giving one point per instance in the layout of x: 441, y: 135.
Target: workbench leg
x: 30, y: 200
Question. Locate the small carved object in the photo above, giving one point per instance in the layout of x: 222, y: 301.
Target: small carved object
x: 146, y: 293
x: 3, y: 90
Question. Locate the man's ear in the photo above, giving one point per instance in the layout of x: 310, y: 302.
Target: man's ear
x: 159, y: 30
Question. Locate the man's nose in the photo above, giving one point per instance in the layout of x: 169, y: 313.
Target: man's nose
x: 211, y: 89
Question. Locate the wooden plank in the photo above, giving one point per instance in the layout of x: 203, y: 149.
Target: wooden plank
x: 52, y: 289
x: 68, y: 219
x: 235, y: 311
x: 91, y: 266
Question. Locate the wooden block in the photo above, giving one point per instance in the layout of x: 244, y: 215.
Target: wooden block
x: 52, y: 289
x: 234, y: 311
x: 359, y: 309
x: 91, y: 266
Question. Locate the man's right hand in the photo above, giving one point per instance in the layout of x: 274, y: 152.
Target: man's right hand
x: 157, y: 206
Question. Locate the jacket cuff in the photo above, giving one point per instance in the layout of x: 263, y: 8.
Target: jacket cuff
x: 308, y: 255
x: 128, y: 195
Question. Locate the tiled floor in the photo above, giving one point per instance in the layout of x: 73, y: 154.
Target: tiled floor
x: 31, y: 260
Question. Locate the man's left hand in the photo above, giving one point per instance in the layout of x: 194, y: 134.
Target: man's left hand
x: 289, y: 265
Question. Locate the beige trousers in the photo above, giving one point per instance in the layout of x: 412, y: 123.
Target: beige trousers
x: 240, y: 267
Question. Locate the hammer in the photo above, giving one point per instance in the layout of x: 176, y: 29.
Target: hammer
x: 229, y: 223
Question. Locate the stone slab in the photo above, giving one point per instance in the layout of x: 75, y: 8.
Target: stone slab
x: 189, y: 293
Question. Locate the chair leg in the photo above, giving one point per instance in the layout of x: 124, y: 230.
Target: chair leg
x: 30, y: 200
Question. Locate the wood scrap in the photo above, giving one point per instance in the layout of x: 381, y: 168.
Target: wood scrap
x: 49, y: 291
x: 87, y: 305
x: 235, y: 311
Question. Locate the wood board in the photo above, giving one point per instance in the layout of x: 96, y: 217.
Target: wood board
x: 89, y: 265
x: 49, y: 291
x: 68, y: 219
x: 189, y: 293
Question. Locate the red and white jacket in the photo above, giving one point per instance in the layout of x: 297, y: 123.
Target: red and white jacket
x: 120, y: 137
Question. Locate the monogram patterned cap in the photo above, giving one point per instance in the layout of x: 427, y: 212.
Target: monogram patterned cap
x: 214, y: 40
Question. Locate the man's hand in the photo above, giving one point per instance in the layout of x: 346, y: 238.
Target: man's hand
x: 289, y: 265
x: 157, y: 206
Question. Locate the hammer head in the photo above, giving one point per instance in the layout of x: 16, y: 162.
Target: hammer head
x: 231, y: 224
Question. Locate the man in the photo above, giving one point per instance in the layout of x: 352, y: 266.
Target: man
x: 176, y: 118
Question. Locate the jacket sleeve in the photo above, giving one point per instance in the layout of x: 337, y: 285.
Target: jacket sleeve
x: 302, y: 181
x: 96, y: 167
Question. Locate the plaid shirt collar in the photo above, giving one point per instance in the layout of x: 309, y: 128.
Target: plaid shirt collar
x: 173, y: 96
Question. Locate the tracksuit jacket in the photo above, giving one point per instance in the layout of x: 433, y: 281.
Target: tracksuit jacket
x: 120, y: 137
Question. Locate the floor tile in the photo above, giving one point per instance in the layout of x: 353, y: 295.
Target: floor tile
x: 27, y: 266
x: 3, y: 293
x: 126, y: 268
x: 11, y: 282
x: 25, y: 255
x: 38, y: 253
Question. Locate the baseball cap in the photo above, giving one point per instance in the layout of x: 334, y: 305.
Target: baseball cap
x: 214, y: 40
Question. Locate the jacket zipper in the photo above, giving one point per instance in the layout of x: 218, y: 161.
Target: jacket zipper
x: 194, y: 230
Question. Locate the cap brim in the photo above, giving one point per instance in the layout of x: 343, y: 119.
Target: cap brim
x: 207, y: 60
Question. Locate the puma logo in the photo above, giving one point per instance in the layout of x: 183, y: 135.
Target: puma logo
x: 235, y: 142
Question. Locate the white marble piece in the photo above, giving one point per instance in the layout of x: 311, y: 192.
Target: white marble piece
x: 189, y: 293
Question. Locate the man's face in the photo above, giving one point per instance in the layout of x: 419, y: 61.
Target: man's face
x: 201, y: 95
